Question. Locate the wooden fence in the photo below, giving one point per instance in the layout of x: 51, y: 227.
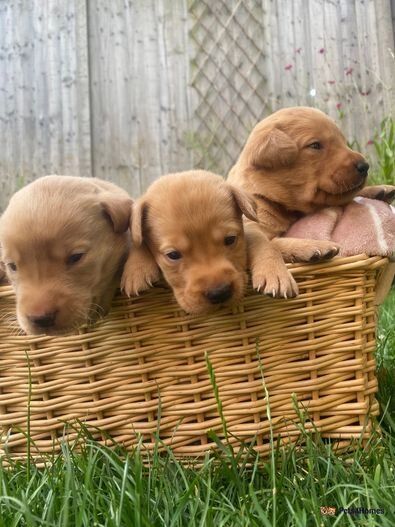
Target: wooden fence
x: 130, y: 89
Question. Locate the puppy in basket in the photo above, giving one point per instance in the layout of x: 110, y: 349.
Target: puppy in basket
x: 189, y: 226
x: 64, y: 240
x: 297, y: 162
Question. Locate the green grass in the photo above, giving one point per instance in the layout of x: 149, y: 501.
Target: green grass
x: 102, y: 487
x: 383, y: 171
x: 385, y: 356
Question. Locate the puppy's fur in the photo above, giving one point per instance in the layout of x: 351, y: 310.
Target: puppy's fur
x: 191, y: 223
x: 63, y: 242
x: 296, y: 161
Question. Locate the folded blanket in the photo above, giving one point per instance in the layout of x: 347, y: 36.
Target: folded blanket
x: 363, y: 226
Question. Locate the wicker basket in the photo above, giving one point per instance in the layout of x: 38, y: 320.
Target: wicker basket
x: 142, y: 371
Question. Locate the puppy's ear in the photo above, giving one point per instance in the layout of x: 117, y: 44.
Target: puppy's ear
x: 118, y: 209
x: 137, y: 221
x: 245, y: 202
x: 272, y: 149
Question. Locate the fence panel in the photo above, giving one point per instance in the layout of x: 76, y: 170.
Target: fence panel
x: 130, y: 89
x: 44, y: 92
x: 139, y: 67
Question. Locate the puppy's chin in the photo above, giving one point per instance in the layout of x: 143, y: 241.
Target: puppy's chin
x: 342, y: 187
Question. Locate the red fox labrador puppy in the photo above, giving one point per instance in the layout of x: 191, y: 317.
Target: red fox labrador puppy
x: 64, y: 240
x: 296, y: 161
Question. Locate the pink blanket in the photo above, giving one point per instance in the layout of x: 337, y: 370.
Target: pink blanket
x: 363, y: 226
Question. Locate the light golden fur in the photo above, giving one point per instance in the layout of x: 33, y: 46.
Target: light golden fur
x: 194, y: 213
x: 289, y: 177
x: 46, y: 224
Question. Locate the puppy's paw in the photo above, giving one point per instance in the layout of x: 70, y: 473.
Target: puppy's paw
x: 387, y: 194
x: 135, y: 281
x: 275, y: 282
x: 314, y: 251
x: 140, y: 273
x: 380, y: 192
x: 323, y: 250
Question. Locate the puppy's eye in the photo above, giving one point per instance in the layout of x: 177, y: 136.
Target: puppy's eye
x: 230, y: 240
x: 315, y: 146
x: 12, y: 266
x: 74, y: 258
x: 174, y: 255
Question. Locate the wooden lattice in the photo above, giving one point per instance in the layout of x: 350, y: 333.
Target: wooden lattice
x: 227, y: 76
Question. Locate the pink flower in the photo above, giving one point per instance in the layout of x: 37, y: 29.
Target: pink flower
x: 288, y: 67
x: 322, y: 50
x: 331, y: 82
x: 370, y: 142
x: 349, y: 71
x: 338, y: 105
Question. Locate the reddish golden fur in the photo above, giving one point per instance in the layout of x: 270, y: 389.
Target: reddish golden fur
x: 192, y: 213
x: 289, y: 178
x: 44, y: 224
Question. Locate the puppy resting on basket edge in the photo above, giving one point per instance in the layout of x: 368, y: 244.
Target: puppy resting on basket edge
x: 296, y: 162
x: 64, y: 242
x: 189, y: 225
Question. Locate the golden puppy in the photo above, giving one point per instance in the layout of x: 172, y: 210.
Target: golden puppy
x: 63, y: 242
x: 190, y: 226
x: 297, y: 161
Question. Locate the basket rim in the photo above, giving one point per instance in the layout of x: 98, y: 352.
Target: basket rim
x: 340, y: 263
x: 337, y: 264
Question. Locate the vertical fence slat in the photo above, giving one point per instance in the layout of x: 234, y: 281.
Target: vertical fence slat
x: 138, y: 90
x: 44, y: 105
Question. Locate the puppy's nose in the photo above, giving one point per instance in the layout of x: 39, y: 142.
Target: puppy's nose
x: 219, y: 294
x: 44, y: 320
x: 362, y: 168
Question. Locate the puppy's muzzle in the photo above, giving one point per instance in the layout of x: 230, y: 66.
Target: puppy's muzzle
x: 43, y: 320
x: 219, y: 294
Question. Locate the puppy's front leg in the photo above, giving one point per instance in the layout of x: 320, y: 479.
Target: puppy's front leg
x: 268, y: 270
x: 140, y: 271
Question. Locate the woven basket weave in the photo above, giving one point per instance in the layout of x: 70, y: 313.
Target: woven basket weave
x: 142, y: 371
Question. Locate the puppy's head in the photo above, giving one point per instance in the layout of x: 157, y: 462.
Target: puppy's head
x: 63, y: 241
x: 300, y: 158
x: 192, y: 223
